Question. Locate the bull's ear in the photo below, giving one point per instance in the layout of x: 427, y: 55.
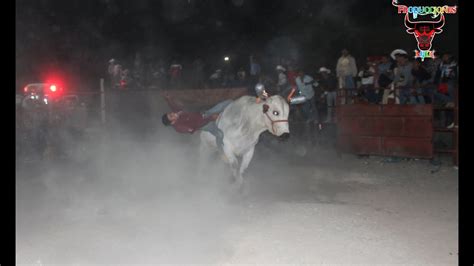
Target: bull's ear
x: 265, y: 108
x: 411, y: 31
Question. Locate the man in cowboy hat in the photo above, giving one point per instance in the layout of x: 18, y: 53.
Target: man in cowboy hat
x: 396, y: 52
x: 403, y: 78
x: 305, y: 96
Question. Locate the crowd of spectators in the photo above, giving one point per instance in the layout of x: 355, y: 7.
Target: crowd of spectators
x: 392, y: 78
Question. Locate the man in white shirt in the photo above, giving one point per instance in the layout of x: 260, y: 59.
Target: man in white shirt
x: 346, y: 70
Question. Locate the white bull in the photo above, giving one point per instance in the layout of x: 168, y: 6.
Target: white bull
x: 242, y: 122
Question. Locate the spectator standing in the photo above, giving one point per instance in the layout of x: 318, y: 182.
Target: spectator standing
x: 215, y: 79
x: 367, y: 79
x: 403, y: 79
x: 125, y: 79
x: 228, y: 74
x: 421, y: 82
x: 445, y: 79
x: 309, y: 109
x: 387, y: 76
x: 241, y: 76
x: 432, y: 66
x: 384, y: 74
x: 198, y: 73
x: 255, y: 70
x: 175, y: 74
x: 282, y: 79
x: 110, y: 71
x: 117, y: 75
x: 138, y: 70
x: 346, y: 71
x: 328, y: 84
x: 304, y: 84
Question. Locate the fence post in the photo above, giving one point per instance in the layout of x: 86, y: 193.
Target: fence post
x: 102, y: 101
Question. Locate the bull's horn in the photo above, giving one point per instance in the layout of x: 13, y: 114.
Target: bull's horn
x: 395, y: 3
x: 407, y: 19
x: 410, y: 25
x: 440, y: 23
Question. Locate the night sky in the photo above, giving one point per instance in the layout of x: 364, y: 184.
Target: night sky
x: 80, y: 36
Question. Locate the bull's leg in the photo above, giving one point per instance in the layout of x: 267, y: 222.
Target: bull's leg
x: 246, y: 158
x: 232, y: 160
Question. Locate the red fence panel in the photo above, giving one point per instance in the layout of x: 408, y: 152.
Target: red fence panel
x: 394, y: 130
x: 361, y: 126
x: 409, y: 110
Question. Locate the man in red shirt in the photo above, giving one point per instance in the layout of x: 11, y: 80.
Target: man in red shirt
x: 189, y: 122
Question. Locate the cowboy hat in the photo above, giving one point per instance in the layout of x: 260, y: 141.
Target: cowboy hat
x: 397, y: 52
x: 280, y: 68
x: 324, y: 69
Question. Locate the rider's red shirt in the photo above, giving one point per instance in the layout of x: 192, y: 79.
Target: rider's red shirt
x: 187, y: 122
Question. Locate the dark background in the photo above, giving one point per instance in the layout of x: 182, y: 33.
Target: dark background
x: 75, y: 39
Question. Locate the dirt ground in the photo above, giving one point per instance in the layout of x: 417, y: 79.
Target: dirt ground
x: 144, y: 203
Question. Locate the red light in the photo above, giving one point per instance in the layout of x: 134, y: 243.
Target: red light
x: 25, y: 89
x: 53, y: 88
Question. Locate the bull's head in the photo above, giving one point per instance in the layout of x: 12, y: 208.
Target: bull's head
x: 276, y: 111
x: 424, y: 31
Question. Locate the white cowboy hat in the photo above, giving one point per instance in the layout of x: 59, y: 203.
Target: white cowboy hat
x: 397, y: 51
x: 324, y: 69
x: 280, y: 68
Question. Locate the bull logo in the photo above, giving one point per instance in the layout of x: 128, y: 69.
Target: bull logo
x: 424, y: 31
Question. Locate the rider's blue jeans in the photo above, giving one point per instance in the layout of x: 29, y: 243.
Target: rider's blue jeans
x: 211, y: 127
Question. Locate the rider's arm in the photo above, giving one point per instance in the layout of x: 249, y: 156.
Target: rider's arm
x: 292, y: 92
